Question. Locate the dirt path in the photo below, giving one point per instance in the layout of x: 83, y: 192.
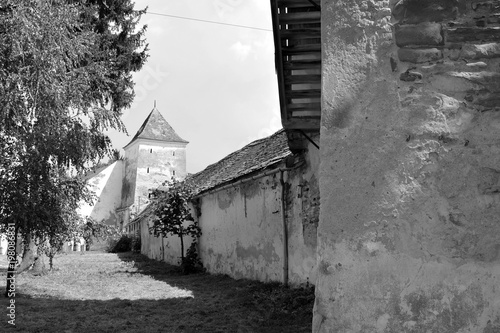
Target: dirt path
x: 101, y: 292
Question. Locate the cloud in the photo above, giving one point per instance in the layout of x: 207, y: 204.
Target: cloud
x: 227, y: 7
x: 273, y: 126
x: 241, y: 50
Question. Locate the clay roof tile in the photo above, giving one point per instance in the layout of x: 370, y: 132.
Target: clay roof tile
x: 255, y: 156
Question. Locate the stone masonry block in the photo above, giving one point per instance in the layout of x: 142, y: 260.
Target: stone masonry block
x: 482, y: 8
x: 479, y: 88
x: 471, y: 34
x: 417, y: 56
x: 416, y: 11
x: 419, y: 34
x: 478, y: 51
x: 487, y: 99
x: 486, y: 79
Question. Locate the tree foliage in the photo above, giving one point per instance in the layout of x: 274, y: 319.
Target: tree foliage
x: 173, y: 216
x: 91, y: 229
x: 65, y: 77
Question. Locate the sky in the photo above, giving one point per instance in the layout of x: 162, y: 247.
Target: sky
x: 214, y: 84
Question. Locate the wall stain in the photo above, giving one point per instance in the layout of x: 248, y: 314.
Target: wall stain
x: 251, y: 189
x: 267, y: 252
x: 442, y: 309
x: 310, y: 211
x: 226, y: 198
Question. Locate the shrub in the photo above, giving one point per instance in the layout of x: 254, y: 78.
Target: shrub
x: 191, y: 263
x: 110, y: 244
x: 123, y: 244
x: 136, y: 244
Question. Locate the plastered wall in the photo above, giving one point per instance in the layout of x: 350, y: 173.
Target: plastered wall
x: 166, y: 249
x: 242, y: 231
x: 243, y: 227
x: 156, y: 164
x: 129, y: 175
x: 107, y: 185
x: 408, y: 238
x: 148, y: 164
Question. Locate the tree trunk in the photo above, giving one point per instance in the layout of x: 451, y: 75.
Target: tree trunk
x: 88, y: 241
x: 29, y: 255
x: 40, y: 266
x: 51, y: 256
x: 33, y: 258
x: 182, y: 248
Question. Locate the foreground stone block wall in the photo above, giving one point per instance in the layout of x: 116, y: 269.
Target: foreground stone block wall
x: 409, y: 232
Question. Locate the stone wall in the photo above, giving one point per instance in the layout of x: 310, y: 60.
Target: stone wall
x: 243, y: 234
x: 156, y: 163
x: 148, y: 163
x: 408, y: 239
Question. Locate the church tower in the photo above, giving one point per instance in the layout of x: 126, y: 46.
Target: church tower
x: 155, y: 154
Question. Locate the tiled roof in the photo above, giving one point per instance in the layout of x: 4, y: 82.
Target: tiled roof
x: 145, y: 213
x: 253, y: 157
x: 155, y: 127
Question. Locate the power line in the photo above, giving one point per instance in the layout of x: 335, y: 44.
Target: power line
x: 207, y: 21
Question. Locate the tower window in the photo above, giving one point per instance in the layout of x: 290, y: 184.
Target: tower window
x: 150, y: 151
x: 147, y: 170
x: 173, y: 153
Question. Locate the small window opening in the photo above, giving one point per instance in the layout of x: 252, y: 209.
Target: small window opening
x: 173, y: 153
x: 173, y: 172
x: 148, y: 170
x: 151, y: 150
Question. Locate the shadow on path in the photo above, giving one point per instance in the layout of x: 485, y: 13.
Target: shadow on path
x: 218, y: 303
x: 252, y: 305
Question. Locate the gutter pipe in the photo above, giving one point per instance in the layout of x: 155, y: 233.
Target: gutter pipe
x: 285, y: 229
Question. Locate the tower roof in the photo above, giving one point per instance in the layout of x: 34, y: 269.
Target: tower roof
x: 155, y: 127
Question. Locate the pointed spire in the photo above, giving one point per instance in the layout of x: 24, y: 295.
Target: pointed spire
x: 155, y: 127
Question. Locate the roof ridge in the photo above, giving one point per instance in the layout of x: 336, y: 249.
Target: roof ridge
x: 251, y: 144
x: 254, y: 156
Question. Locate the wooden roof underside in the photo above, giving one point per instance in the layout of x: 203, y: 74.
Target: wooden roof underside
x: 297, y: 39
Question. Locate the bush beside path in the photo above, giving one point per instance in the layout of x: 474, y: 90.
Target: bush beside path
x: 127, y: 292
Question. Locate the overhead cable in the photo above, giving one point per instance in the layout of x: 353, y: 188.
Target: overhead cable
x: 207, y: 21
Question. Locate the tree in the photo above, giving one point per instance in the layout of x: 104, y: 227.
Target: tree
x: 173, y: 214
x: 91, y: 229
x: 65, y: 77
